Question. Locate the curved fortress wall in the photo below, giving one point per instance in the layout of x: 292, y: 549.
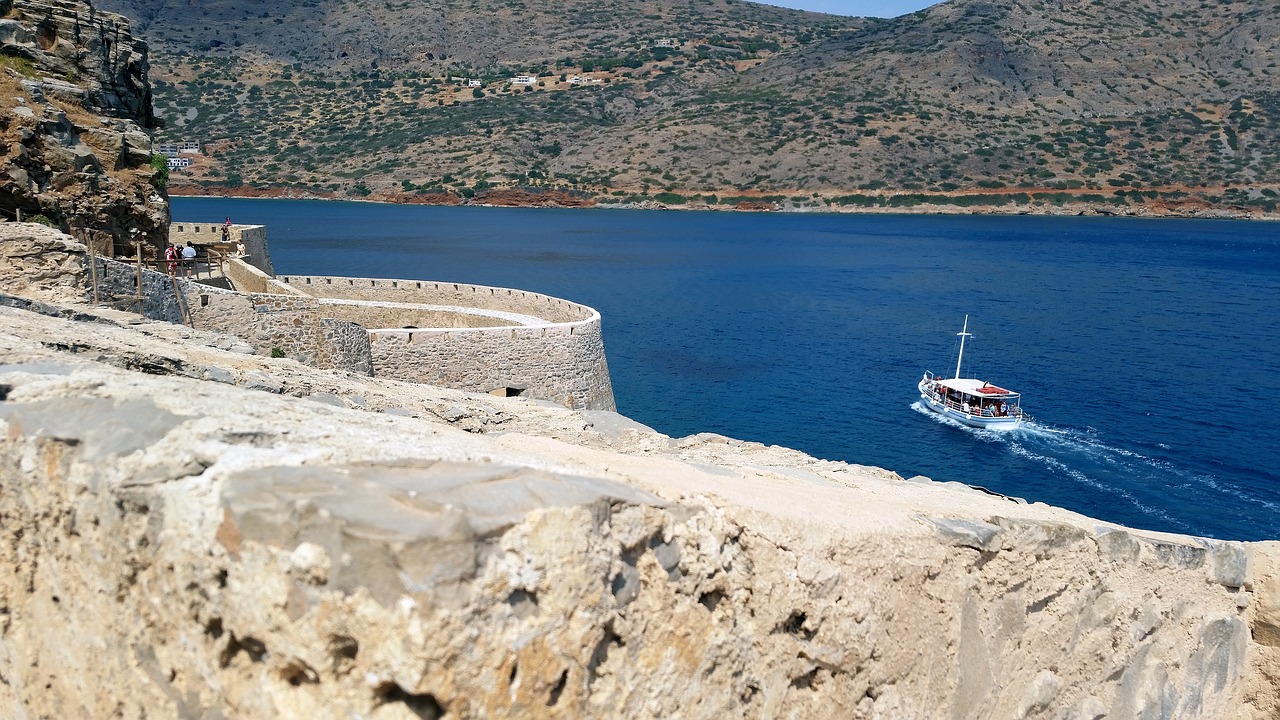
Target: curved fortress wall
x: 473, y: 337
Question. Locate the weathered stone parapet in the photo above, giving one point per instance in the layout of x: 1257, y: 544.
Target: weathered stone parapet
x: 195, y: 549
x: 474, y: 337
x: 425, y: 292
x: 562, y: 363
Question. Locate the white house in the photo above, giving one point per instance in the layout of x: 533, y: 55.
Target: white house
x: 583, y: 80
x: 529, y: 80
x: 667, y: 42
x: 168, y: 150
x: 176, y: 163
x: 189, y: 147
x: 474, y: 83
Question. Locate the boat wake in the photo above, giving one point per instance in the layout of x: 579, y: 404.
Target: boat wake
x: 1080, y: 463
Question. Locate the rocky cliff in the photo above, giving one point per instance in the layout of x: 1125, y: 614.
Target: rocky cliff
x: 196, y: 532
x: 75, y: 108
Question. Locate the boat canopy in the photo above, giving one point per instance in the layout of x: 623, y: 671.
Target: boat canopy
x: 976, y: 388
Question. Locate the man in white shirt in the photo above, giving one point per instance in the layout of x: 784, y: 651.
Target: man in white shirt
x: 188, y: 259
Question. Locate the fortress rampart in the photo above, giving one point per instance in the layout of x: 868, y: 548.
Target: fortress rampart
x: 473, y: 337
x: 466, y: 337
x: 458, y: 295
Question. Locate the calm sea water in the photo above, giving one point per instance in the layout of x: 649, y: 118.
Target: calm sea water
x: 1145, y: 350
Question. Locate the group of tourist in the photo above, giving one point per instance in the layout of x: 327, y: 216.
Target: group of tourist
x: 181, y: 259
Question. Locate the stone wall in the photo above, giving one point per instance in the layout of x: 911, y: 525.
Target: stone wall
x: 499, y: 347
x: 247, y: 277
x: 118, y: 282
x: 40, y: 263
x: 253, y: 237
x: 563, y: 364
x: 375, y: 315
x: 424, y: 292
x: 348, y: 345
x: 271, y: 323
x: 474, y: 337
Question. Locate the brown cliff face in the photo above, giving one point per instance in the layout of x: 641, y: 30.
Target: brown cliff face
x: 74, y: 145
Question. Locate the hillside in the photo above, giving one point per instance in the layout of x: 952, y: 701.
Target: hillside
x: 1126, y: 107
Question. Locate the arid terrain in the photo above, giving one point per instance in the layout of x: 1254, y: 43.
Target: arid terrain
x: 1008, y: 106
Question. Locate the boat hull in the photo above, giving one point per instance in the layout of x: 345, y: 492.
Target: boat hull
x: 932, y: 402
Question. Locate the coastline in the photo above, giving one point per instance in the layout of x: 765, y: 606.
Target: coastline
x: 558, y: 198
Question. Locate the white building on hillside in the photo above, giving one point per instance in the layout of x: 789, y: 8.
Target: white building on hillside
x: 528, y: 80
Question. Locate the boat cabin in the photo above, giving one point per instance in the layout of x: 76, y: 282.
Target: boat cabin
x: 974, y: 397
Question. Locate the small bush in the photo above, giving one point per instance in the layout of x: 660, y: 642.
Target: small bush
x: 160, y: 164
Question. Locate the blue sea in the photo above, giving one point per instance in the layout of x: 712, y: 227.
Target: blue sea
x: 1144, y: 349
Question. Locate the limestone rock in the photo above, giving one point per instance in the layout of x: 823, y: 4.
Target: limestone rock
x: 76, y: 148
x: 180, y: 547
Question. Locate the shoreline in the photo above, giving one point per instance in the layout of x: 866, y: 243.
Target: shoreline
x: 1072, y: 210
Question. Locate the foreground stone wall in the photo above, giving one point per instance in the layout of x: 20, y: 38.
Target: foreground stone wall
x: 187, y: 548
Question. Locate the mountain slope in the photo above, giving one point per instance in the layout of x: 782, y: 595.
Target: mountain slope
x: 991, y: 101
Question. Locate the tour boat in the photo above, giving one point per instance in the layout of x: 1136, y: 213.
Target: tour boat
x: 975, y: 403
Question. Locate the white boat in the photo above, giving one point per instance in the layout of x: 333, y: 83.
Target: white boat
x: 975, y: 403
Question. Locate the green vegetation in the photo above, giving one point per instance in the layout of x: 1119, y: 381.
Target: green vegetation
x: 764, y: 102
x: 160, y: 164
x: 19, y: 64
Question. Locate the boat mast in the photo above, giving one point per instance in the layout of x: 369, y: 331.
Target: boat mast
x: 963, y: 334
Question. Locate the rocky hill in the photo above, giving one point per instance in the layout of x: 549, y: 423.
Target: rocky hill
x: 1146, y: 107
x: 192, y: 531
x: 75, y: 111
